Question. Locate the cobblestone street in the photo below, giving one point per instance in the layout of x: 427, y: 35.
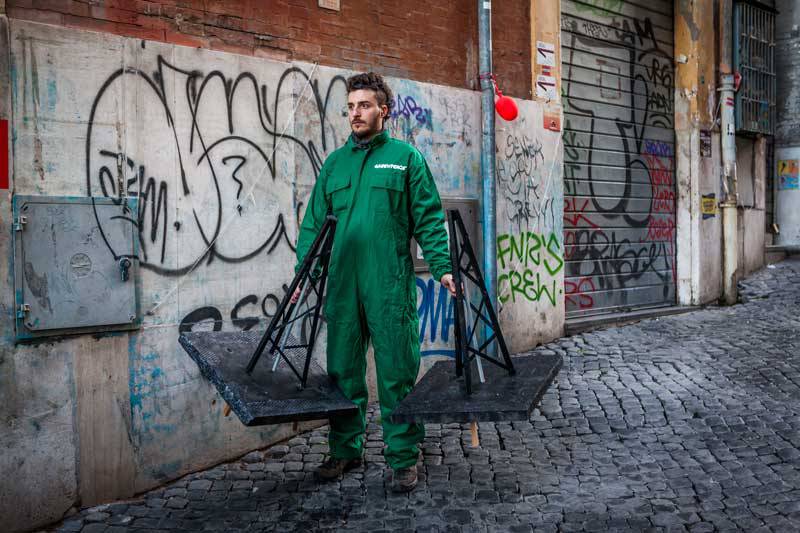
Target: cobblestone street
x: 684, y: 423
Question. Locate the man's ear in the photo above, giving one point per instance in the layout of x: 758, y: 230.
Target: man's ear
x: 384, y: 111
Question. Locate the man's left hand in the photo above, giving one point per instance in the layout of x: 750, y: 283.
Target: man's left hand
x: 447, y: 281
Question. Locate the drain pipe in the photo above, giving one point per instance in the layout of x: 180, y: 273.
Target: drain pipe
x: 487, y: 149
x: 730, y: 214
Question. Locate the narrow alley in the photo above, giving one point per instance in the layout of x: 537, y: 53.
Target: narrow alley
x: 684, y: 423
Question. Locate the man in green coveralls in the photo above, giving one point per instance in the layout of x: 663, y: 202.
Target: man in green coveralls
x: 382, y: 192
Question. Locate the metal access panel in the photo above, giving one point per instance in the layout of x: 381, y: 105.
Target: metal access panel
x: 67, y: 278
x: 468, y: 207
x: 754, y: 60
x: 619, y: 152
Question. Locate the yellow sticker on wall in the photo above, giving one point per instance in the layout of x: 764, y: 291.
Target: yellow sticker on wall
x: 708, y: 205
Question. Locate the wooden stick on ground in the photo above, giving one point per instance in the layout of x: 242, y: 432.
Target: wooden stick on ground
x: 473, y: 428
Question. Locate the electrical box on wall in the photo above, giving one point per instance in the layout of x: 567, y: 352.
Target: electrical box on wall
x: 468, y: 207
x: 75, y: 267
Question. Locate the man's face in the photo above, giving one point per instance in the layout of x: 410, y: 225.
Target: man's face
x: 366, y: 115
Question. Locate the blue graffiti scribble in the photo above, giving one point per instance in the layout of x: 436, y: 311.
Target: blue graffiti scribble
x: 445, y: 353
x: 52, y: 95
x: 145, y: 380
x: 658, y: 148
x: 435, y: 313
x: 408, y: 108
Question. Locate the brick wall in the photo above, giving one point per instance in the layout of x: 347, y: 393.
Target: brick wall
x: 431, y: 40
x: 511, y: 45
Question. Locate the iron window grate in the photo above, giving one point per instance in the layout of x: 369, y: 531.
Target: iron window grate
x: 754, y: 60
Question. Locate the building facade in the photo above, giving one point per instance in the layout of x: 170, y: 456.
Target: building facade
x: 786, y: 190
x: 185, y: 137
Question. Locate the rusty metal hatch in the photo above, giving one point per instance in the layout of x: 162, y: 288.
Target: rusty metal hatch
x: 619, y: 151
x: 754, y: 60
x: 75, y: 265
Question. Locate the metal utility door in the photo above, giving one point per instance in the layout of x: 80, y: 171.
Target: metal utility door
x: 75, y: 266
x: 619, y: 152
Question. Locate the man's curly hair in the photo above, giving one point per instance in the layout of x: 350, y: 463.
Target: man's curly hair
x: 374, y: 82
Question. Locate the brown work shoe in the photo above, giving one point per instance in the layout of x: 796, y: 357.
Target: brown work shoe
x: 332, y: 468
x: 405, y: 479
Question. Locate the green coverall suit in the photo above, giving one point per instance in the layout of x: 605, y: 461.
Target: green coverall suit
x: 382, y: 194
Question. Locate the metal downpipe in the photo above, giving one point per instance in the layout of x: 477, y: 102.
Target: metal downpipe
x: 730, y: 213
x: 487, y: 149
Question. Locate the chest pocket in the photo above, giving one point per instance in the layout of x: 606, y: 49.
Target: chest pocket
x: 389, y: 180
x: 388, y: 189
x: 338, y: 190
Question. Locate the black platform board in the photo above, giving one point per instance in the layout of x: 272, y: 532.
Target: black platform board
x: 439, y: 397
x: 264, y: 397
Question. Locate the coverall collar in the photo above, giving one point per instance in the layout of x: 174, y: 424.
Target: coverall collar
x: 376, y: 141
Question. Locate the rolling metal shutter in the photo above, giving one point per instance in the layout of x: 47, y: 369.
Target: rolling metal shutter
x: 619, y: 153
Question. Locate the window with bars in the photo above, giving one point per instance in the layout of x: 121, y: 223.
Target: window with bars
x: 754, y: 60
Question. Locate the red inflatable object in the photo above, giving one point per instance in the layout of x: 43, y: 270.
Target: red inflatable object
x: 506, y: 108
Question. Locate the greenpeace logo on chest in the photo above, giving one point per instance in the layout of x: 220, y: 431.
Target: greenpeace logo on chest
x: 390, y: 165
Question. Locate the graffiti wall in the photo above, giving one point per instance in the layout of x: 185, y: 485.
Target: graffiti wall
x: 530, y: 252
x: 222, y: 152
x: 620, y: 204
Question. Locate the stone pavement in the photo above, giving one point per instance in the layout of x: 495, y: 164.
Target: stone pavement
x: 684, y: 423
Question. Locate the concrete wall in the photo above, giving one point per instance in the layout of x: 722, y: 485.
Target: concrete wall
x: 217, y: 147
x: 699, y: 166
x: 787, y: 64
x: 530, y: 258
x: 787, y: 202
x: 751, y: 172
x: 752, y: 240
x: 697, y: 156
x: 709, y: 284
x: 787, y: 131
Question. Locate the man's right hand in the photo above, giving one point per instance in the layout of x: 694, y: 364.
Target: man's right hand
x: 449, y: 283
x: 296, y: 295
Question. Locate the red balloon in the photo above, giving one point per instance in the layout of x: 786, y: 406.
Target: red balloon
x: 506, y: 108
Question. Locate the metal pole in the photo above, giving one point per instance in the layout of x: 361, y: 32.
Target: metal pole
x: 730, y: 213
x: 487, y: 149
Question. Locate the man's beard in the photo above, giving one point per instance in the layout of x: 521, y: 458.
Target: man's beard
x: 365, y: 134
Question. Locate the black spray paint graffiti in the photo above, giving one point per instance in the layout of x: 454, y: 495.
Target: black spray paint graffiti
x: 212, y: 145
x: 246, y: 314
x: 520, y: 161
x: 619, y: 205
x: 434, y: 308
x: 207, y: 138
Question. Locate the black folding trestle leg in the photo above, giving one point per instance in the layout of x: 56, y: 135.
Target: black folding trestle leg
x: 461, y: 249
x: 312, y: 277
x: 259, y: 395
